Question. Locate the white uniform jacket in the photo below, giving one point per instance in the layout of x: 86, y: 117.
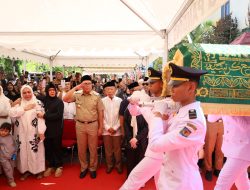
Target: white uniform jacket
x: 184, y: 138
x: 236, y: 138
x: 164, y: 106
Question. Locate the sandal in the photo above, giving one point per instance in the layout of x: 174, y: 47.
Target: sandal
x: 59, y: 172
x: 24, y: 176
x: 39, y: 176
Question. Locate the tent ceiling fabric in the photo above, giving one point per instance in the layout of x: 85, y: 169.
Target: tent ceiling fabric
x: 101, y: 62
x: 50, y: 43
x: 97, y: 28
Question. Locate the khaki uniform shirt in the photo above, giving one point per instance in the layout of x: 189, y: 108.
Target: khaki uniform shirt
x: 87, y: 106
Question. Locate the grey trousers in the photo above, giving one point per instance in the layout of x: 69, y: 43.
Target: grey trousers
x: 8, y: 168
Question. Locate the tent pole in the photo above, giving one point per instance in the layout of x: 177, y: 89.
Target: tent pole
x: 51, y: 67
x: 143, y: 19
x: 165, y: 53
x: 24, y: 66
x: 13, y: 66
x: 51, y: 60
x: 146, y: 65
x: 63, y: 70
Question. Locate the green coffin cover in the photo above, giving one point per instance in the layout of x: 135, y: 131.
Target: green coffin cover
x: 226, y: 87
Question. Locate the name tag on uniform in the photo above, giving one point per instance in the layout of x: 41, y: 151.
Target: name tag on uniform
x: 192, y: 114
x: 192, y: 126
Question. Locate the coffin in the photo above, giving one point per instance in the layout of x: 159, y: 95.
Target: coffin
x: 226, y: 87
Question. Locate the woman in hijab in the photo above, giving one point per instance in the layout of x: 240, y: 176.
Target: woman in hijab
x: 11, y: 92
x: 4, y: 108
x: 54, y: 121
x: 29, y: 134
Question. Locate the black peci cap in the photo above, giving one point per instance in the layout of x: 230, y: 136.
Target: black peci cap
x: 133, y: 85
x: 114, y: 81
x: 67, y: 79
x: 104, y: 86
x: 109, y: 84
x: 86, y: 77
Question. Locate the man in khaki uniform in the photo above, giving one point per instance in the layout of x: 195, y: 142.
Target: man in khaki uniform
x: 89, y: 123
x: 213, y: 143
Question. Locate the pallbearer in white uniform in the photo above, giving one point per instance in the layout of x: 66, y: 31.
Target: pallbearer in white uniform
x: 150, y: 165
x: 185, y: 134
x: 235, y: 146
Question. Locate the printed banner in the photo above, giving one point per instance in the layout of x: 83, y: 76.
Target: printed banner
x: 226, y: 87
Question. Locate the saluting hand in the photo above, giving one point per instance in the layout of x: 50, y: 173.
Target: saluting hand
x: 79, y: 86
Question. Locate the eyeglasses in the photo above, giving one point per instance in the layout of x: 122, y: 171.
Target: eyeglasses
x: 87, y: 83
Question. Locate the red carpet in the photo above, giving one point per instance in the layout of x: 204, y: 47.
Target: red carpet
x: 70, y: 181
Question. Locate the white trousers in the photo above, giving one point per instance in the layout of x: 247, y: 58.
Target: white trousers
x: 147, y: 168
x: 234, y: 171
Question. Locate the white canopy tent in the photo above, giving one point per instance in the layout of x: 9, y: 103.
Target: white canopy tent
x: 97, y: 34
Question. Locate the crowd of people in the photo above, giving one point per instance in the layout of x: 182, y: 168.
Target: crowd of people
x: 162, y: 135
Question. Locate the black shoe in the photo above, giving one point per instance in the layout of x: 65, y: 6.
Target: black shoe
x: 83, y: 173
x: 209, y: 175
x: 93, y: 174
x: 119, y: 170
x: 217, y: 173
x: 108, y: 170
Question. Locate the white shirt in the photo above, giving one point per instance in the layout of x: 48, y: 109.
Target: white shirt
x: 111, y: 115
x: 69, y: 111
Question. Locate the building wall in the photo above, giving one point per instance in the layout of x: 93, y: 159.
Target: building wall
x: 239, y: 9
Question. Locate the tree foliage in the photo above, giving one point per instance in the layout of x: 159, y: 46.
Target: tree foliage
x: 200, y: 34
x: 10, y: 66
x: 225, y: 31
x: 157, y: 64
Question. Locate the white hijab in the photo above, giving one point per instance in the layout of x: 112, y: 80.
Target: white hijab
x: 5, y: 106
x: 26, y: 102
x: 3, y: 98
